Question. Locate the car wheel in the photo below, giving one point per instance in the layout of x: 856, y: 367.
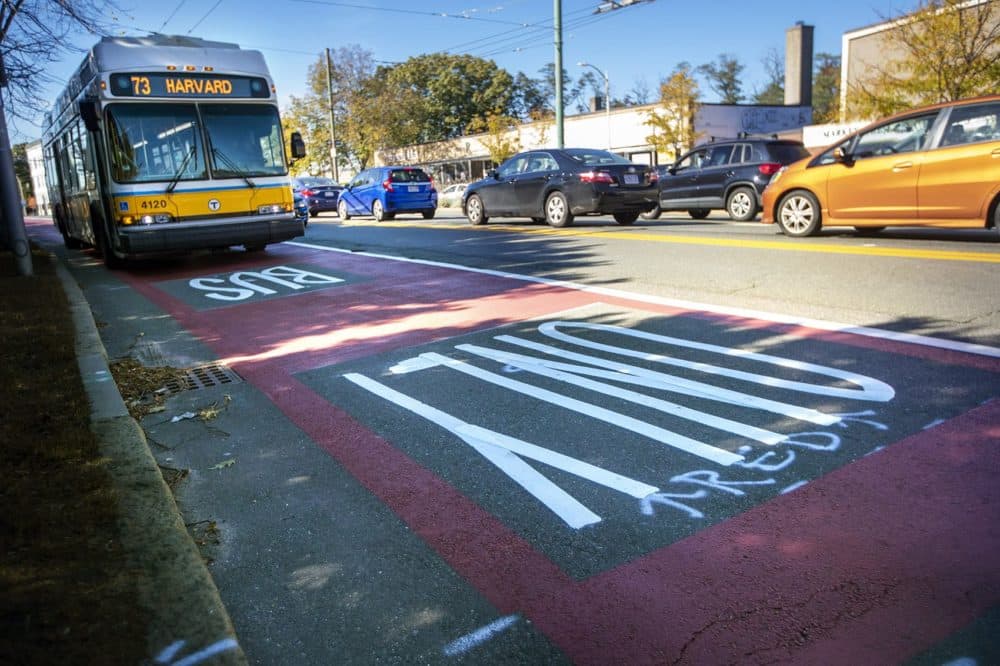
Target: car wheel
x: 342, y: 211
x: 313, y: 213
x: 699, y: 213
x: 474, y: 210
x: 799, y: 214
x: 742, y: 204
x: 626, y: 219
x: 652, y: 214
x: 557, y: 212
x: 428, y: 214
x: 378, y: 212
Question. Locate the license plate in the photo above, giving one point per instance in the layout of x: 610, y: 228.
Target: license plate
x: 328, y: 194
x: 412, y: 188
x: 631, y: 179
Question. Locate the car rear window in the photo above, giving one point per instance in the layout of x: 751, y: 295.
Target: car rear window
x: 786, y: 153
x: 316, y: 182
x: 591, y: 157
x: 408, y: 176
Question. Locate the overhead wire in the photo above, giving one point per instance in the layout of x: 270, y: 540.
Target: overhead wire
x: 172, y: 14
x: 462, y: 16
x: 218, y: 2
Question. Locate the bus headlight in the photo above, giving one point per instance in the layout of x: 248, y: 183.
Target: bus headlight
x: 159, y: 218
x: 271, y: 209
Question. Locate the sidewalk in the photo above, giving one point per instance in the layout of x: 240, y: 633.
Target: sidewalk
x: 179, y: 607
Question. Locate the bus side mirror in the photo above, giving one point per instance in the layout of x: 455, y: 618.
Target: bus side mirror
x: 88, y: 111
x: 298, y: 146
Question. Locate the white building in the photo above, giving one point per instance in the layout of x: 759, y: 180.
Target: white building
x: 37, y: 167
x: 467, y: 158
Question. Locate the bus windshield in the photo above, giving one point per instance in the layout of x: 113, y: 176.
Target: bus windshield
x: 244, y: 140
x: 151, y: 142
x: 163, y: 142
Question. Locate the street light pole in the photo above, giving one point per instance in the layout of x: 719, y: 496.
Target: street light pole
x: 607, y: 96
x: 333, y: 135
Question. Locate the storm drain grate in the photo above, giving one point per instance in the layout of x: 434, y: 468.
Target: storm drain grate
x: 203, y: 376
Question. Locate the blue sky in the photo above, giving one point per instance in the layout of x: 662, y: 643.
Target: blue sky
x: 643, y: 42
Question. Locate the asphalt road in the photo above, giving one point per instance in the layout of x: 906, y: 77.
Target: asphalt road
x: 676, y: 442
x: 929, y: 281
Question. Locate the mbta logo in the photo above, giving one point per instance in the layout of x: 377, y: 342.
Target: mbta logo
x: 214, y: 204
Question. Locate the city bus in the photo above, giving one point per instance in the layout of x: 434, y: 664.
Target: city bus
x: 164, y: 143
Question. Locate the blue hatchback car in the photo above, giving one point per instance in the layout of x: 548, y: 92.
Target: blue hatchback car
x: 383, y: 192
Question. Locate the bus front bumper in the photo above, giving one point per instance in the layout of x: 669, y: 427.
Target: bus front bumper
x: 207, y: 234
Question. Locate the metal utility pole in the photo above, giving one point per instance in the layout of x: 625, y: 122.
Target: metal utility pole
x: 333, y: 134
x: 558, y: 71
x: 10, y: 204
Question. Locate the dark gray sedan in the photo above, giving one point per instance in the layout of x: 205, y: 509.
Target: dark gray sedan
x: 554, y: 186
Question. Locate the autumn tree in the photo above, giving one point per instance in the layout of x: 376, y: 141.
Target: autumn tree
x: 945, y: 50
x: 724, y: 78
x: 826, y: 88
x: 773, y: 91
x: 350, y: 67
x: 502, y: 135
x: 673, y: 121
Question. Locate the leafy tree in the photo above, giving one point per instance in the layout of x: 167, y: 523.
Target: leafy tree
x: 724, y: 78
x: 673, y: 123
x: 36, y: 33
x: 351, y: 67
x: 947, y: 50
x: 773, y: 91
x: 529, y: 99
x: 21, y: 168
x: 639, y: 94
x: 572, y: 91
x: 502, y: 135
x: 826, y: 88
x: 455, y: 90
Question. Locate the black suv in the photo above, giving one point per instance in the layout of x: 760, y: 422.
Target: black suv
x: 725, y: 174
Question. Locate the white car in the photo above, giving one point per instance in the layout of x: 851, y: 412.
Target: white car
x: 451, y: 196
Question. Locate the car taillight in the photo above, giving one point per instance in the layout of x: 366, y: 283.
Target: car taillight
x: 596, y: 177
x: 431, y: 181
x: 769, y: 168
x: 307, y: 193
x: 387, y: 185
x: 653, y: 176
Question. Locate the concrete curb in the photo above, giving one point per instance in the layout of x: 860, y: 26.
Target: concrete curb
x: 187, y: 617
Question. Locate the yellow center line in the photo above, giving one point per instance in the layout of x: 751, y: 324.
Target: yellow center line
x: 790, y: 246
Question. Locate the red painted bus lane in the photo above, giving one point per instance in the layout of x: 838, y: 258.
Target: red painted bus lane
x: 871, y: 562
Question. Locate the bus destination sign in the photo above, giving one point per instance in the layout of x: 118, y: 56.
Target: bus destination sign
x: 178, y: 84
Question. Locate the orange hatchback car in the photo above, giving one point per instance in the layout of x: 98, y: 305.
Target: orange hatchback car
x: 934, y: 166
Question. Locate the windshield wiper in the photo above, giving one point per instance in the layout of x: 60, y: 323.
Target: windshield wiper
x: 232, y: 166
x: 180, y: 171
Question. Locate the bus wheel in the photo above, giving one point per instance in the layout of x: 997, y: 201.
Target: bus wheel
x: 70, y: 242
x: 255, y: 247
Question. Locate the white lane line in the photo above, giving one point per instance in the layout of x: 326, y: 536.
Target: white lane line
x: 878, y: 333
x: 478, y: 637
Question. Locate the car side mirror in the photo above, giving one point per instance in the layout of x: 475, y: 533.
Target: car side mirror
x: 672, y: 169
x: 298, y: 146
x: 842, y: 156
